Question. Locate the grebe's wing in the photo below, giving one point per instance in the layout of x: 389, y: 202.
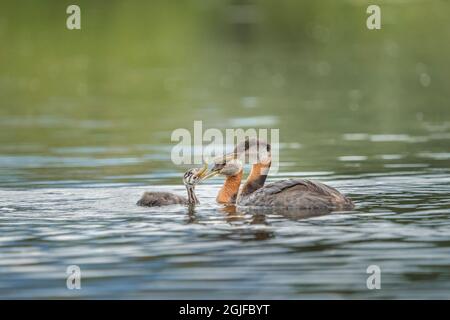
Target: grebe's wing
x: 297, y: 193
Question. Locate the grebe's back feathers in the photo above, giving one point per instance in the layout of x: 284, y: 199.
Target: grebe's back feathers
x: 297, y: 193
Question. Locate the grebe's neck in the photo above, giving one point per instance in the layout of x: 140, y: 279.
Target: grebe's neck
x: 192, y: 198
x: 256, y: 178
x: 230, y: 189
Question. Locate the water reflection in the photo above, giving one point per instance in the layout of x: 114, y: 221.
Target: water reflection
x: 259, y: 214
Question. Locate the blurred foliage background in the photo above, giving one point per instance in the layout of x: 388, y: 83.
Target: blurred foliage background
x: 139, y: 69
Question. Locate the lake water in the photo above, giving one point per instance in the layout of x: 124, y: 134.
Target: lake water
x: 124, y: 251
x: 85, y: 126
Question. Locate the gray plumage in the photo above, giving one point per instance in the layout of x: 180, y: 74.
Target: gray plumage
x: 296, y: 193
x: 157, y: 199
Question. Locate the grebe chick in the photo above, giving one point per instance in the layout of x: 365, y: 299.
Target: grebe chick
x: 190, y: 179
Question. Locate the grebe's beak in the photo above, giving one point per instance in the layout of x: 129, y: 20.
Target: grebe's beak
x: 203, y: 171
x: 210, y: 174
x: 219, y: 163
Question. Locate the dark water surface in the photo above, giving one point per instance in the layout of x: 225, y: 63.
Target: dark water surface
x: 85, y: 125
x: 400, y: 224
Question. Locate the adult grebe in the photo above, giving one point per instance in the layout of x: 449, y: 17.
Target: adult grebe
x: 291, y: 193
x: 190, y: 179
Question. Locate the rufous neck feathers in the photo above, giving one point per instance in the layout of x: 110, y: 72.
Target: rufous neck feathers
x: 256, y: 179
x: 230, y: 189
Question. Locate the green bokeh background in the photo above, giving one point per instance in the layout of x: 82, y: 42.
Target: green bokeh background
x: 137, y: 70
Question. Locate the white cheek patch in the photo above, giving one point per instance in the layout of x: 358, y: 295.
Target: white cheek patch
x: 264, y: 158
x: 254, y: 156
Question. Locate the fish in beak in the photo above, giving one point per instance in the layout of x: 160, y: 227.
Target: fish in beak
x: 203, y: 171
